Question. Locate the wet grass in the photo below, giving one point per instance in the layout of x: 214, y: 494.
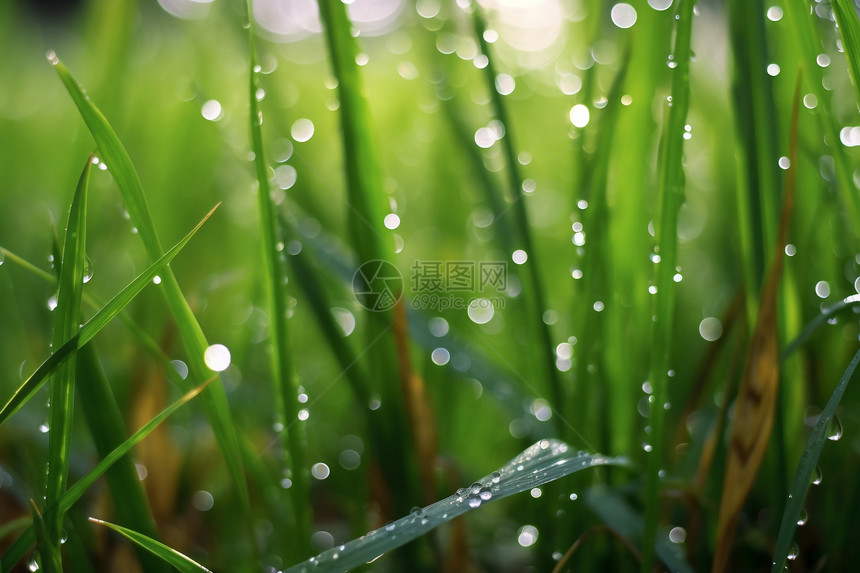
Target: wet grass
x: 657, y: 303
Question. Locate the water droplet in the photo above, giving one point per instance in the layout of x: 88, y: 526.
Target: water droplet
x: 440, y: 356
x: 180, y: 367
x: 33, y: 565
x: 302, y: 130
x: 774, y: 13
x: 816, y: 476
x: 623, y: 15
x: 677, y: 535
x: 495, y: 477
x: 51, y: 55
x: 156, y: 280
x: 212, y: 110
x: 803, y: 517
x: 773, y: 70
x: 505, y: 84
x: 202, y: 500
x: 784, y: 162
x: 834, y: 430
x: 710, y: 328
x: 519, y: 256
x: 536, y: 492
x: 579, y: 116
x: 793, y: 552
x: 217, y: 357
x: 660, y: 5
x: 52, y: 301
x: 527, y: 535
x: 391, y: 221
x: 480, y: 310
x: 303, y: 414
x: 88, y: 270
x: 320, y: 471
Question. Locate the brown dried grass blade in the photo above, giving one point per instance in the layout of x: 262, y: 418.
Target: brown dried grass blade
x: 756, y: 401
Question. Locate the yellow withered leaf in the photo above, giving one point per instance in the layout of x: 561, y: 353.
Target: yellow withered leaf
x: 756, y: 402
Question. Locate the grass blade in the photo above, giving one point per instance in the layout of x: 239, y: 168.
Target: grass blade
x: 521, y: 219
x: 545, y: 461
x: 671, y: 192
x: 755, y: 405
x: 387, y: 360
x: 66, y: 326
x: 286, y: 389
x: 168, y: 555
x: 619, y: 516
x: 105, y: 421
x: 849, y: 29
x: 74, y: 493
x: 93, y: 326
x: 806, y: 468
x: 119, y: 163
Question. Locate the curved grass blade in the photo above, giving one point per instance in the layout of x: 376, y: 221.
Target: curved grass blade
x: 671, y: 193
x: 122, y: 170
x: 178, y: 560
x: 74, y: 493
x: 543, y: 462
x: 275, y: 276
x: 66, y: 326
x: 93, y: 326
x: 806, y: 468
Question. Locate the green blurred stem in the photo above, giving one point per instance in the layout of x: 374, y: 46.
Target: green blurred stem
x: 275, y: 277
x: 671, y: 190
x: 521, y: 219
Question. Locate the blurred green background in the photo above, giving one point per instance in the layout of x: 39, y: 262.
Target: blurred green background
x: 171, y: 78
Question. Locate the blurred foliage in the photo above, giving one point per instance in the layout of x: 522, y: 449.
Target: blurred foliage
x: 153, y: 69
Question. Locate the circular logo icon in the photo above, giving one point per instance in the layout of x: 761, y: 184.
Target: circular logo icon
x: 377, y: 285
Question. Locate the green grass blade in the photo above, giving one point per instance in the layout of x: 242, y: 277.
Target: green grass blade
x: 134, y: 328
x: 74, y: 493
x: 93, y: 326
x: 119, y: 163
x: 545, y: 461
x: 517, y: 199
x: 50, y: 558
x: 618, y: 515
x: 368, y: 206
x: 806, y: 468
x: 275, y: 277
x: 168, y: 555
x: 66, y: 326
x: 105, y: 421
x: 849, y: 28
x: 671, y: 192
x: 817, y: 322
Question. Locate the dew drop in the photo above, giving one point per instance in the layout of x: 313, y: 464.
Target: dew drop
x: 793, y: 552
x: 302, y: 130
x: 320, y: 471
x: 217, y: 357
x: 212, y: 110
x: 816, y: 476
x: 834, y: 430
x: 803, y: 517
x: 480, y: 310
x: 51, y: 55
